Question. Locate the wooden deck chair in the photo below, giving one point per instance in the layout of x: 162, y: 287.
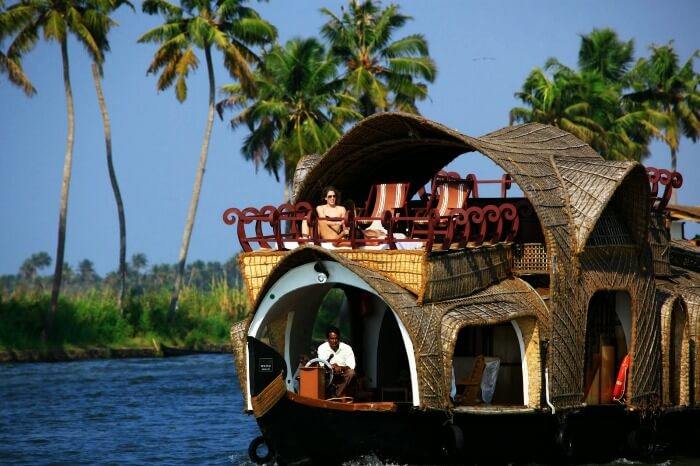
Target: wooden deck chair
x: 471, y: 394
x: 383, y: 197
x: 453, y: 194
x: 367, y: 225
x: 449, y: 191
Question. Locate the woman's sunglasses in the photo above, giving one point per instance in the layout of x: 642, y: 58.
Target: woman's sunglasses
x: 330, y: 196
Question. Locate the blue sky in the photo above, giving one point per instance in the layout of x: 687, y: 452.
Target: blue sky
x: 484, y: 51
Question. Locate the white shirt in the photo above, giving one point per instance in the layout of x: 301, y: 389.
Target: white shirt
x: 343, y: 357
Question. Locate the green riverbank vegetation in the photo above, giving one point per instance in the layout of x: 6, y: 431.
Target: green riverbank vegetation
x: 88, y: 315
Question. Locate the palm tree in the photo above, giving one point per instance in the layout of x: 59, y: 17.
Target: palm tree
x: 670, y: 92
x: 603, y: 52
x: 23, y: 21
x: 299, y: 108
x: 381, y: 74
x: 16, y: 74
x: 589, y: 103
x: 559, y: 101
x: 627, y: 128
x: 138, y: 262
x: 102, y: 27
x: 96, y: 74
x: 226, y: 25
x: 87, y: 276
x: 31, y: 266
x: 12, y: 67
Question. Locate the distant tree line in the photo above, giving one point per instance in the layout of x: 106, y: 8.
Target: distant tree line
x: 142, y: 278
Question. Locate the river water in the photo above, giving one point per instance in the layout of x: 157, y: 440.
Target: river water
x: 171, y: 411
x: 185, y: 410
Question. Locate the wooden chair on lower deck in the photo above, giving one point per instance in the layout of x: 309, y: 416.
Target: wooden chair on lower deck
x: 471, y: 394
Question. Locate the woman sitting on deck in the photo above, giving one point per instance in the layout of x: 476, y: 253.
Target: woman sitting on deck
x: 330, y: 217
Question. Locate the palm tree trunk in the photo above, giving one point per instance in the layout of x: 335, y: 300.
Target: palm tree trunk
x: 115, y: 188
x: 65, y: 187
x: 179, y: 273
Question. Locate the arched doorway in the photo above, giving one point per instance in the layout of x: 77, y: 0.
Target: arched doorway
x: 608, y: 332
x: 678, y: 358
x: 294, y: 316
x: 501, y: 347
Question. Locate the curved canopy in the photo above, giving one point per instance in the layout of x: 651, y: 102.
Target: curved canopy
x: 568, y: 183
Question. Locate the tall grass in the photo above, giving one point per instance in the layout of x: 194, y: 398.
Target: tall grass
x: 92, y: 319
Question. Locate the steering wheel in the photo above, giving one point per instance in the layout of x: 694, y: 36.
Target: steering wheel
x: 327, y: 368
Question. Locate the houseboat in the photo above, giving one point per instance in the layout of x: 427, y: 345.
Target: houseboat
x: 556, y: 324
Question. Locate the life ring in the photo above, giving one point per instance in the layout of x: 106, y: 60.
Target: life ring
x: 621, y: 381
x: 255, y: 457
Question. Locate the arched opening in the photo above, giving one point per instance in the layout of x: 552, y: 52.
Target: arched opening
x: 608, y: 330
x: 488, y: 365
x: 300, y: 306
x: 678, y: 356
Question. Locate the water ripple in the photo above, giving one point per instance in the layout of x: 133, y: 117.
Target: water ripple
x: 124, y: 412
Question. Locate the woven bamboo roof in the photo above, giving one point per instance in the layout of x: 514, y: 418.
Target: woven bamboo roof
x: 568, y: 183
x: 685, y: 212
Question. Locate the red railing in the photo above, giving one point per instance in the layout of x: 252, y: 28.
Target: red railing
x: 282, y: 227
x: 661, y: 177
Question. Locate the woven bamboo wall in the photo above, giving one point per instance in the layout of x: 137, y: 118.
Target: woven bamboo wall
x: 531, y: 338
x: 239, y: 341
x: 405, y: 268
x: 691, y: 296
x: 530, y: 258
x: 455, y: 274
x: 627, y: 269
x: 255, y: 268
x: 610, y: 231
x: 685, y: 255
x: 670, y: 305
x: 660, y: 243
x: 685, y: 285
x: 664, y: 303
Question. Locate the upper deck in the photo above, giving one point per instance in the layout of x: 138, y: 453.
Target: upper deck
x: 434, y: 255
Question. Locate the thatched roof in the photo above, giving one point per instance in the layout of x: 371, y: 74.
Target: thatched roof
x: 568, y: 183
x: 685, y: 212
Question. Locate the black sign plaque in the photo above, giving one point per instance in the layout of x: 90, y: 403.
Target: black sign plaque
x: 265, y: 365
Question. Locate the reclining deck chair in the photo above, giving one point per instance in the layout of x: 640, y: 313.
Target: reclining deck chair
x: 449, y: 191
x: 385, y: 199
